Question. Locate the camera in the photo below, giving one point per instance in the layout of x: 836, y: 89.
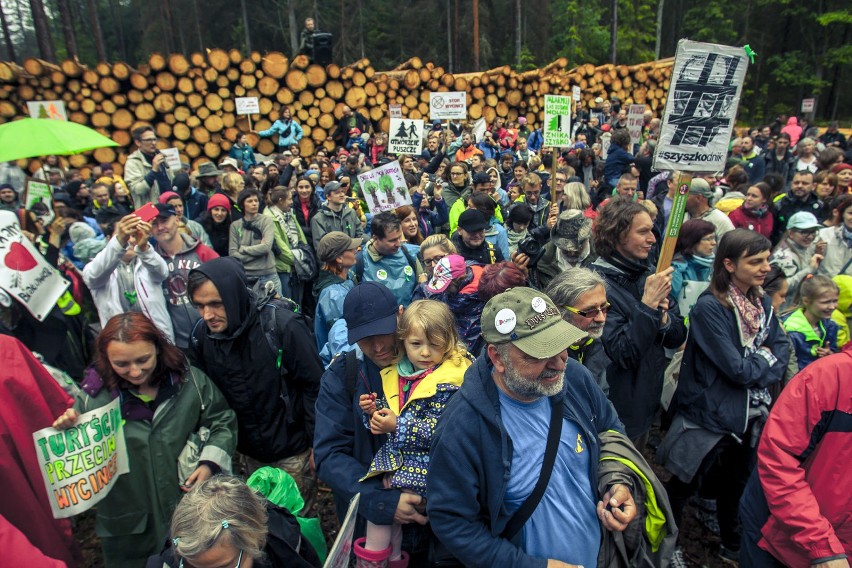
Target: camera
x: 530, y: 246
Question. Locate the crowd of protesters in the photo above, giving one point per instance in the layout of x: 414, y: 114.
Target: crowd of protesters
x: 435, y: 358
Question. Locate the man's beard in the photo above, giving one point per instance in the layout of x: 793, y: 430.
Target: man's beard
x: 595, y: 330
x: 526, y: 388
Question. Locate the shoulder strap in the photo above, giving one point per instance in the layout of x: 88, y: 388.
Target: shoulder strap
x: 410, y: 259
x: 554, y: 432
x: 491, y: 253
x: 845, y: 266
x: 359, y: 266
x: 268, y: 321
x: 351, y: 372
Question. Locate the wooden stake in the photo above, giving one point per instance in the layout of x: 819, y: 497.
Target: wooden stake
x: 675, y: 222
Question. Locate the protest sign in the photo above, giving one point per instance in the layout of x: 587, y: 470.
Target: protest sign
x: 406, y: 136
x: 604, y: 141
x: 247, y: 105
x: 808, y: 105
x: 172, y: 157
x: 675, y: 222
x: 338, y: 557
x: 54, y: 110
x: 557, y: 121
x: 448, y: 106
x: 576, y: 93
x: 395, y: 110
x: 24, y: 273
x: 384, y: 188
x: 635, y: 122
x: 702, y: 103
x: 38, y: 191
x: 80, y: 465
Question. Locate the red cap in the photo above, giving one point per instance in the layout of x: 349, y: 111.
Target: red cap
x: 219, y: 200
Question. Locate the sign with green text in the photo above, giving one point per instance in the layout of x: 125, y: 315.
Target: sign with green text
x: 557, y: 121
x: 80, y: 465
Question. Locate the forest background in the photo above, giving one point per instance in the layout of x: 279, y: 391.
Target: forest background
x: 804, y: 47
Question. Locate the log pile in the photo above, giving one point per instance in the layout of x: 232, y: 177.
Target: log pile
x: 190, y: 100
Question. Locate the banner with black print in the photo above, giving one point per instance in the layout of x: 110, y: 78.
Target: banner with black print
x: 701, y: 107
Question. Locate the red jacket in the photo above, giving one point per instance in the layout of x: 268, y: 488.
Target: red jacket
x: 743, y: 218
x: 805, y: 465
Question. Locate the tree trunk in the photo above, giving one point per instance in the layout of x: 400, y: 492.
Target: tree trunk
x: 45, y: 41
x: 361, y: 28
x: 613, y: 47
x: 197, y: 25
x: 476, y: 35
x: 294, y: 27
x: 246, y: 25
x: 96, y: 30
x: 67, y: 22
x: 118, y: 25
x: 658, y: 43
x: 518, y: 33
x: 449, y: 38
x: 10, y: 47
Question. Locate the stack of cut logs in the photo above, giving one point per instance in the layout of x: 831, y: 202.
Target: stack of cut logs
x: 190, y: 101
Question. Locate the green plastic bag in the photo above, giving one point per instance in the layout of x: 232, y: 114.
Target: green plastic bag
x: 280, y: 488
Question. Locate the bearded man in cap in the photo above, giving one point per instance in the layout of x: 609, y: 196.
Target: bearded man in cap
x: 522, y: 396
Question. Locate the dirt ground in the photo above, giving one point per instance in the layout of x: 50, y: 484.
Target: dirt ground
x: 700, y: 546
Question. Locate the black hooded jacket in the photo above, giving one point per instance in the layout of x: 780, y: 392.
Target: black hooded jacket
x: 273, y: 393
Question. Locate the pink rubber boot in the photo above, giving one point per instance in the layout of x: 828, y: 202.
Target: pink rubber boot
x: 401, y: 563
x: 371, y: 558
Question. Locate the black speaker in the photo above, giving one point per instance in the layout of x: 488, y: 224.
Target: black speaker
x: 322, y: 48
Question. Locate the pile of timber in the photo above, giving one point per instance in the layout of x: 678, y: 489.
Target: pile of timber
x: 190, y: 100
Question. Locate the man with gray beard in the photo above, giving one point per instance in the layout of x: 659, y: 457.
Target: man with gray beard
x: 513, y: 474
x: 580, y: 294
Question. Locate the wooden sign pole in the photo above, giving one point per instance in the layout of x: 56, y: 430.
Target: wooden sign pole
x: 675, y: 221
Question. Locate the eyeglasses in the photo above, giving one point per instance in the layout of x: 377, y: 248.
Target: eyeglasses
x: 239, y: 561
x: 709, y: 239
x: 432, y: 261
x: 806, y: 233
x: 148, y: 139
x: 561, y: 180
x: 590, y: 313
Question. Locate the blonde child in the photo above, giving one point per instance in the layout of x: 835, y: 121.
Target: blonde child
x: 809, y: 325
x: 430, y: 369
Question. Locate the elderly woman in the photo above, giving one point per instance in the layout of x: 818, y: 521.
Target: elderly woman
x: 222, y: 522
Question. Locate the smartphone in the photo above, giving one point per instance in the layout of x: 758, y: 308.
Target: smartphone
x: 147, y: 212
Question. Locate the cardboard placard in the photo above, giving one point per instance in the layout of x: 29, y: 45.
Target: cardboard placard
x: 384, y: 188
x: 54, y: 110
x: 38, y: 191
x: 557, y: 121
x: 247, y: 105
x: 635, y: 122
x: 24, y: 273
x: 80, y: 465
x: 576, y: 93
x: 448, y: 106
x: 706, y: 85
x: 172, y: 158
x: 338, y: 556
x: 406, y: 136
x: 395, y: 110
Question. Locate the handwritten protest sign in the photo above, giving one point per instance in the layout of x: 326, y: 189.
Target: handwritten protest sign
x: 172, y: 156
x: 24, y: 272
x: 406, y: 136
x: 557, y: 121
x: 448, y: 106
x: 635, y: 122
x: 706, y: 85
x: 81, y: 464
x: 384, y: 188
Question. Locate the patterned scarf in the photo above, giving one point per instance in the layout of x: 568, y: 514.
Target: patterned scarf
x: 288, y: 222
x: 750, y: 312
x: 846, y: 234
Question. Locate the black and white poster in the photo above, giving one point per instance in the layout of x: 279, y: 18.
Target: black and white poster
x: 701, y: 107
x: 405, y: 136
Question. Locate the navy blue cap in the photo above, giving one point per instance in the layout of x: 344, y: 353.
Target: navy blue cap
x: 369, y: 309
x: 165, y: 210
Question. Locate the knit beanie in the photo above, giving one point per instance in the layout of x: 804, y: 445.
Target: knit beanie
x: 166, y: 196
x: 80, y: 231
x: 219, y: 200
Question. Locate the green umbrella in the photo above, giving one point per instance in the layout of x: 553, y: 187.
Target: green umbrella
x: 32, y: 137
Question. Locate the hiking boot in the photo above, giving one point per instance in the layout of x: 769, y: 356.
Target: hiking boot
x: 729, y: 556
x: 708, y: 520
x: 678, y: 559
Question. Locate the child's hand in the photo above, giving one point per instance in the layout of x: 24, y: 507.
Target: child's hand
x: 383, y: 422
x: 367, y: 402
x: 823, y: 351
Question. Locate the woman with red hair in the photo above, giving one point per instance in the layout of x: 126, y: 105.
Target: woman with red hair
x: 164, y: 403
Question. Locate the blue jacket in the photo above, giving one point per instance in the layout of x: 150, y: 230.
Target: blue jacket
x: 471, y: 458
x: 535, y: 140
x: 717, y: 372
x: 330, y: 307
x: 689, y: 268
x: 279, y: 127
x: 617, y: 162
x: 806, y: 340
x: 244, y: 154
x: 344, y: 449
x: 196, y: 204
x: 428, y: 220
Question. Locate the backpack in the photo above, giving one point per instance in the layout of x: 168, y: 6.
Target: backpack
x: 359, y: 263
x: 305, y: 263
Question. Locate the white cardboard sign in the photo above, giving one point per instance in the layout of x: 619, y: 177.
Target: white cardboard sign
x: 557, y: 121
x: 247, y: 105
x: 448, y: 106
x: 54, y: 110
x: 384, y: 188
x: 406, y: 136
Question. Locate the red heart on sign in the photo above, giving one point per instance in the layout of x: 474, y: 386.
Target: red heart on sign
x: 19, y: 258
